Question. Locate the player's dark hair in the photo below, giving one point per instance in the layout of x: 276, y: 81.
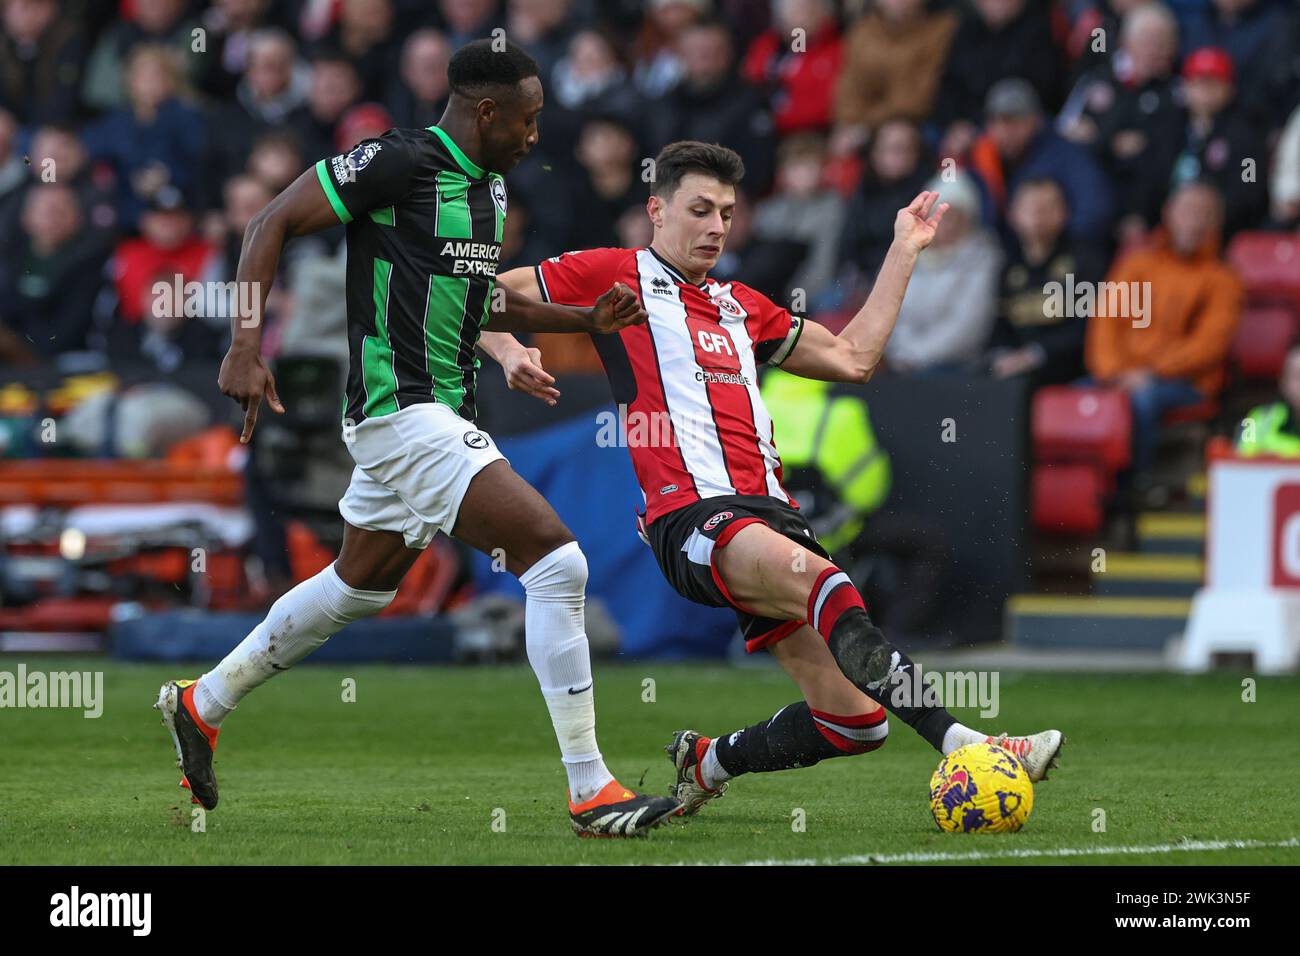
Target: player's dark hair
x: 690, y: 156
x: 477, y: 68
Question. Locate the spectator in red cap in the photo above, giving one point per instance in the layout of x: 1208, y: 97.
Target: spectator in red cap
x: 1263, y: 39
x: 1215, y: 142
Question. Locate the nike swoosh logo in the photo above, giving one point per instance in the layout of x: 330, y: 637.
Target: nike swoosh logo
x: 581, y: 689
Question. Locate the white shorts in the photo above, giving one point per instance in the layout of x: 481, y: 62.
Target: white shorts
x: 413, y: 468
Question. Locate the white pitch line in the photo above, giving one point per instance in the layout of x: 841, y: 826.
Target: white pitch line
x: 941, y: 857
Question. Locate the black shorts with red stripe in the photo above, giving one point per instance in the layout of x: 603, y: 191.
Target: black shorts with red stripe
x: 685, y: 540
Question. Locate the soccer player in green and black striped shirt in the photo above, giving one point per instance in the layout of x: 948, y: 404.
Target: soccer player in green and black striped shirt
x: 425, y: 210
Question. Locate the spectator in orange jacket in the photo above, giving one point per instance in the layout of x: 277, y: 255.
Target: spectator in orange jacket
x: 1169, y: 347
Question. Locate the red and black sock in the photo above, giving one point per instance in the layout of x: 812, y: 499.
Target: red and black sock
x: 878, y: 668
x: 799, y: 736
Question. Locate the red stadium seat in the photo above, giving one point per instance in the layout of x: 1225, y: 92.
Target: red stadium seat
x: 307, y: 556
x: 1081, y: 439
x: 1269, y: 265
x: 425, y: 589
x: 1081, y: 424
x: 82, y: 613
x: 1067, y: 499
x: 1262, y: 339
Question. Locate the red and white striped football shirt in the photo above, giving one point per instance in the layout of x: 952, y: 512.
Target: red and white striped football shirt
x: 695, y: 423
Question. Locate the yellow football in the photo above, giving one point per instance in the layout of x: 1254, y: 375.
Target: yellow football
x: 981, y: 788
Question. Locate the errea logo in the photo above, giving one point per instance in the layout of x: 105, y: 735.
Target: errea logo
x: 661, y: 286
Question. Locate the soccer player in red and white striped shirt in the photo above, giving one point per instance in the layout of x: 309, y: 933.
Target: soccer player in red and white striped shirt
x: 723, y: 529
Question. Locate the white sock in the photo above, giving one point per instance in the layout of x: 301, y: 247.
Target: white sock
x: 301, y: 621
x: 556, y: 640
x: 710, y: 770
x: 959, y: 735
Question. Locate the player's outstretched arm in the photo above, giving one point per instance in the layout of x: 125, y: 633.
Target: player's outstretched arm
x: 618, y: 308
x: 301, y: 209
x: 852, y: 356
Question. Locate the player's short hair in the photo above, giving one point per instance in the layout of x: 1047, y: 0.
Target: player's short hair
x: 477, y: 68
x: 678, y: 159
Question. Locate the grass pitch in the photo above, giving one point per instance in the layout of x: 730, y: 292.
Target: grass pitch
x: 459, y: 766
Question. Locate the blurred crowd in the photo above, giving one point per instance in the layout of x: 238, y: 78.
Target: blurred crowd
x: 1074, y: 140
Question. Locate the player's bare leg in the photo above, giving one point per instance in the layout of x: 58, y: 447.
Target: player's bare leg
x: 502, y: 515
x: 362, y: 582
x: 374, y: 560
x: 773, y: 576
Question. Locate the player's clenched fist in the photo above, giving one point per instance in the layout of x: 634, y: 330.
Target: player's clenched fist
x: 617, y: 309
x: 915, y: 226
x: 246, y: 379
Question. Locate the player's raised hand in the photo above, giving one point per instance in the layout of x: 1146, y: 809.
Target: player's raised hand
x: 617, y: 309
x: 524, y: 373
x: 917, y: 224
x: 246, y: 379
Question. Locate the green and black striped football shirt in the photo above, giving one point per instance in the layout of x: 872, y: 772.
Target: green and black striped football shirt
x: 423, y: 241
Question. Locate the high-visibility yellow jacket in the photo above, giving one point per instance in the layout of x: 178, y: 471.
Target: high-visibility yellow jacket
x: 1269, y: 430
x: 826, y: 442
